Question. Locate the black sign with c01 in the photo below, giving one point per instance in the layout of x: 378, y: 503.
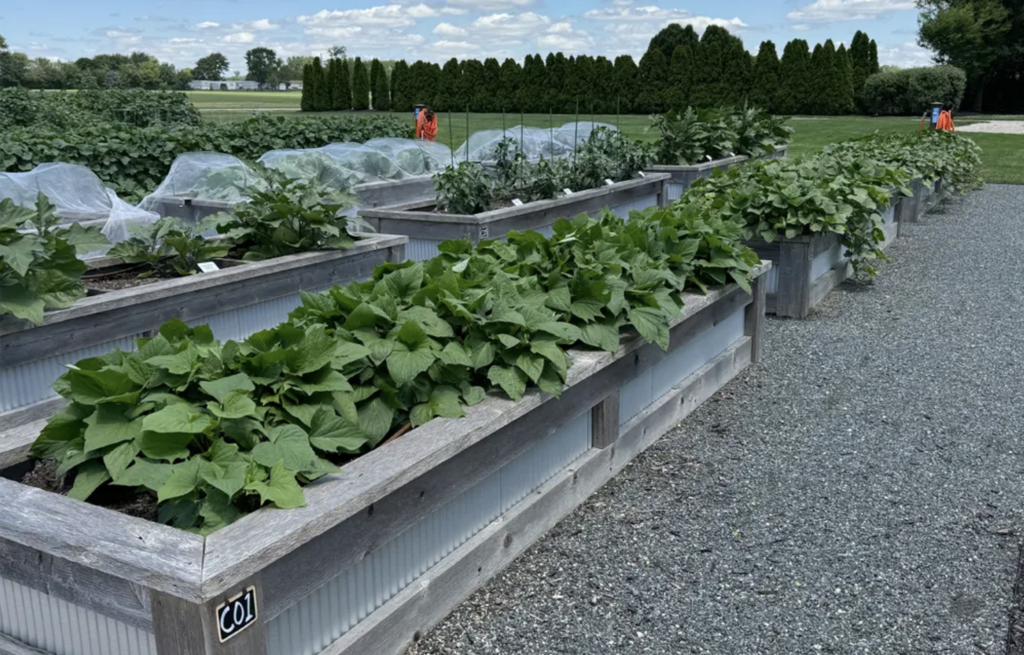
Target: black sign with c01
x: 236, y: 614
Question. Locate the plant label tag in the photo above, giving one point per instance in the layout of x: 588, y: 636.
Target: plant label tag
x: 608, y: 182
x: 517, y: 202
x: 641, y: 174
x: 208, y: 267
x: 567, y: 192
x: 236, y: 614
x: 485, y: 232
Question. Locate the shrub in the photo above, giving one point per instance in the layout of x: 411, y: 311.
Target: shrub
x: 913, y: 90
x: 22, y: 108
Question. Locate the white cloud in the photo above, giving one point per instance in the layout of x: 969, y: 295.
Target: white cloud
x: 454, y: 45
x: 490, y: 5
x: 239, y: 37
x: 563, y: 27
x: 447, y: 29
x: 206, y: 24
x: 381, y: 16
x: 801, y: 28
x: 833, y: 10
x: 649, y: 13
x: 422, y: 11
x: 575, y: 42
x: 904, y: 55
x: 259, y: 25
x: 622, y: 3
x: 509, y: 25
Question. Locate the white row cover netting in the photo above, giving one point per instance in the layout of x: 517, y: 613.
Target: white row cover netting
x: 79, y: 197
x: 535, y: 142
x: 206, y: 176
x: 344, y: 165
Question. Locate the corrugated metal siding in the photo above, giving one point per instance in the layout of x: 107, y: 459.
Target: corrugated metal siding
x: 24, y: 385
x: 239, y: 324
x: 771, y: 279
x: 419, y: 250
x: 316, y: 621
x: 826, y: 261
x: 639, y: 204
x: 62, y: 628
x: 675, y: 191
x: 638, y: 394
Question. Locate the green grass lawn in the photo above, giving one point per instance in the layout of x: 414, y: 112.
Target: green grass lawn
x: 1003, y: 155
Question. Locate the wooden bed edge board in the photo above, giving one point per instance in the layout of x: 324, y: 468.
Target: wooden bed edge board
x: 227, y: 549
x: 189, y: 284
x: 427, y: 601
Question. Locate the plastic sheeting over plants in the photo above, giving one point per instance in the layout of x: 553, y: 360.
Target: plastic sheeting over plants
x: 535, y: 142
x: 79, y: 197
x: 205, y: 176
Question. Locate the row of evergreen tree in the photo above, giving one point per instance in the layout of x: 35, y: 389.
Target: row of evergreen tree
x: 679, y: 69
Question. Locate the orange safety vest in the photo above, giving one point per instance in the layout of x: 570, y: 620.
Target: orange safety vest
x: 946, y: 122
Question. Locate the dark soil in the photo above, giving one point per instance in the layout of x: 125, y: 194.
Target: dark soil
x: 1015, y: 635
x: 120, y: 280
x: 120, y: 499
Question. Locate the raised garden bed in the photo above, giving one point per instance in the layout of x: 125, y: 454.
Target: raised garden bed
x: 926, y: 197
x: 427, y: 228
x: 683, y: 177
x: 385, y: 549
x: 807, y: 267
x: 235, y: 301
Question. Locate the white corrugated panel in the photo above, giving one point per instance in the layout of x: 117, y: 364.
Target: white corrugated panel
x: 56, y: 626
x: 685, y: 361
x: 313, y: 623
x: 826, y: 261
x: 420, y: 250
x: 540, y: 463
x: 675, y: 190
x: 638, y: 394
x: 636, y: 205
x: 29, y: 383
x: 771, y: 279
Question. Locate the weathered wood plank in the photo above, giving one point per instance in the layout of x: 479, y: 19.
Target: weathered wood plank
x: 793, y: 291
x: 11, y: 646
x: 605, y: 422
x: 123, y: 313
x: 126, y: 547
x: 256, y: 540
x: 15, y: 442
x: 185, y: 628
x: 76, y: 583
x: 416, y: 609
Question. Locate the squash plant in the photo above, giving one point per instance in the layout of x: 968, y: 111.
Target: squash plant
x: 217, y: 430
x: 39, y: 267
x: 168, y: 248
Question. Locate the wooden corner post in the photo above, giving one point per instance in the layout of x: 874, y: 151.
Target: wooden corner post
x: 793, y: 298
x: 605, y: 421
x: 753, y: 318
x: 231, y: 624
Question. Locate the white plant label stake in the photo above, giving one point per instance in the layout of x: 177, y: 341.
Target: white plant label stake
x: 208, y: 267
x: 567, y: 192
x: 517, y: 202
x: 608, y: 182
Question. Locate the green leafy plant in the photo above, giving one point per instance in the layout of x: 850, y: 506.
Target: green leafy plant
x: 757, y: 132
x: 168, y: 248
x: 696, y: 135
x: 39, y: 267
x: 215, y: 431
x: 286, y: 218
x: 462, y: 189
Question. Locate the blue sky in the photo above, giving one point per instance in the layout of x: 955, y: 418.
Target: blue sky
x: 181, y: 31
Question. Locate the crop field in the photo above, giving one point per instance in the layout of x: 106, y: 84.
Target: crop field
x: 1002, y: 160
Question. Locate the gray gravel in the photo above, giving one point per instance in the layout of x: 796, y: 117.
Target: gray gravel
x: 859, y: 491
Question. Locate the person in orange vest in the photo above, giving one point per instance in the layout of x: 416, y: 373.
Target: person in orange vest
x: 426, y: 125
x: 946, y: 119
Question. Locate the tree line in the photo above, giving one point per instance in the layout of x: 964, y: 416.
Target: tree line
x: 679, y: 69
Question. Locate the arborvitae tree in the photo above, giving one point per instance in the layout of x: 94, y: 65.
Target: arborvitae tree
x: 531, y: 85
x: 492, y: 85
x: 820, y: 71
x: 379, y: 86
x: 511, y: 78
x: 673, y: 36
x: 446, y: 97
x: 341, y: 94
x: 321, y: 95
x: 308, y: 90
x: 765, y: 85
x: 553, y: 75
x: 329, y: 81
x: 794, y: 78
x: 604, y: 85
x: 844, y: 82
x: 585, y: 84
x: 738, y: 71
x: 717, y: 65
x: 653, y: 79
x: 860, y: 61
x: 626, y: 83
x: 680, y: 79
x: 400, y: 100
x: 475, y: 84
x: 567, y: 89
x: 873, y: 50
x: 374, y: 67
x: 360, y: 85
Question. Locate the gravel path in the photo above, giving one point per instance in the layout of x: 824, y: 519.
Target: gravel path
x: 995, y: 127
x: 861, y: 490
